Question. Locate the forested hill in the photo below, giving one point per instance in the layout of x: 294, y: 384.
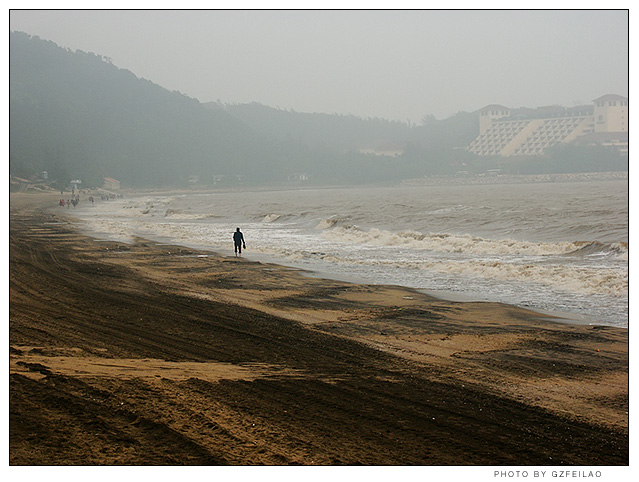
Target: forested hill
x: 350, y: 132
x: 342, y: 132
x: 76, y: 115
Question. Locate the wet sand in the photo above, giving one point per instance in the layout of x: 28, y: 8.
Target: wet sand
x: 149, y: 354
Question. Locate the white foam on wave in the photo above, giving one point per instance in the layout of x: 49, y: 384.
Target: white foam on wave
x: 331, y: 222
x: 269, y: 218
x: 621, y: 250
x: 575, y: 279
x: 587, y: 281
x: 446, y: 243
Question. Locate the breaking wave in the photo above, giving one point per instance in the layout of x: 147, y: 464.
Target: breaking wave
x: 595, y: 248
x: 450, y: 243
x: 576, y: 279
x: 269, y: 218
x: 334, y: 221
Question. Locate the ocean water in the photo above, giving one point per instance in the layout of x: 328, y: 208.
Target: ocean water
x: 558, y: 247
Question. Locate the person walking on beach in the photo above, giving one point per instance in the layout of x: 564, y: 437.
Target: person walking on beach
x: 238, y: 239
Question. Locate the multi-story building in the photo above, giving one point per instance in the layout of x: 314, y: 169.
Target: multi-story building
x: 528, y: 132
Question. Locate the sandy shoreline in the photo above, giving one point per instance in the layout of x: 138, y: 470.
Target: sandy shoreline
x: 152, y: 354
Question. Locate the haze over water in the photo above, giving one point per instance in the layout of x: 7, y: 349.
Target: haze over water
x: 559, y: 246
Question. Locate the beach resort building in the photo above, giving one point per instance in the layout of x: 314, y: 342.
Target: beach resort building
x: 509, y: 132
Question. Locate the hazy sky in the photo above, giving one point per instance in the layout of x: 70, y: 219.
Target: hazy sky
x: 381, y: 63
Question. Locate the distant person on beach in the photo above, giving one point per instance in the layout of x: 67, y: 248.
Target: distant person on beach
x: 238, y: 239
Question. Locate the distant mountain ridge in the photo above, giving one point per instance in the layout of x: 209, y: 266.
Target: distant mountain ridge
x: 343, y: 132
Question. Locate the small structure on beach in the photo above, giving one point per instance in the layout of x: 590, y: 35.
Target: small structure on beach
x: 298, y: 177
x: 386, y: 148
x: 110, y: 183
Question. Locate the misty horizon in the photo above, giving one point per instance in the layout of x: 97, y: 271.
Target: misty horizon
x: 369, y: 64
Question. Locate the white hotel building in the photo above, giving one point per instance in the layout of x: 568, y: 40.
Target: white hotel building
x: 528, y: 132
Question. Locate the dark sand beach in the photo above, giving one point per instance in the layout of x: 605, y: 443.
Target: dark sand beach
x: 148, y: 354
